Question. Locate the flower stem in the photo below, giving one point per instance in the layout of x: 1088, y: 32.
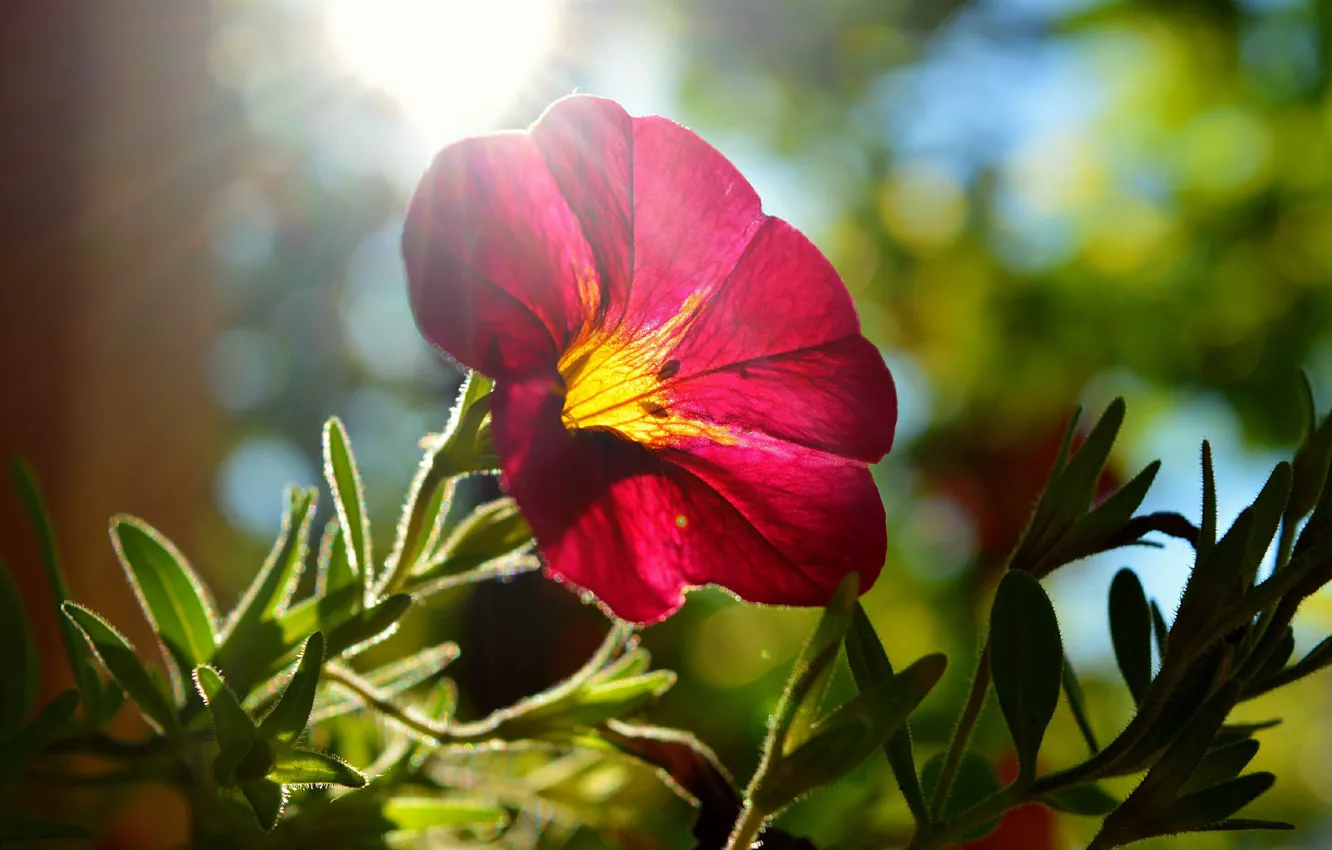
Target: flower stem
x: 747, y: 829
x: 980, y: 682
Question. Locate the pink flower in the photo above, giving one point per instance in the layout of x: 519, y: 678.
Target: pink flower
x: 683, y: 393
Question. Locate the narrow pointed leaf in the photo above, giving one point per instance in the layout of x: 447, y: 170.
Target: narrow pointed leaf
x: 1089, y: 799
x: 870, y: 667
x: 231, y: 724
x: 1221, y: 764
x: 173, y: 597
x: 1207, y: 529
x: 16, y: 752
x: 1202, y: 809
x: 76, y: 648
x: 1244, y: 824
x: 1214, y: 582
x: 1311, y: 460
x: 18, y: 658
x: 1026, y: 662
x: 1096, y: 531
x: 368, y: 626
x: 349, y: 499
x: 494, y: 530
x: 1160, y: 629
x: 285, y: 723
x: 848, y: 735
x: 429, y: 496
x: 1076, y: 485
x: 1281, y: 653
x: 1131, y: 631
x: 389, y: 680
x: 272, y: 588
x: 1268, y: 509
x: 267, y: 798
x: 124, y: 665
x: 334, y: 565
x: 1183, y: 756
x: 418, y: 814
x: 305, y: 767
x: 803, y: 696
x: 1077, y: 705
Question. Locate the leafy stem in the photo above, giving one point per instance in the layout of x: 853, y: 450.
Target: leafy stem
x: 980, y: 683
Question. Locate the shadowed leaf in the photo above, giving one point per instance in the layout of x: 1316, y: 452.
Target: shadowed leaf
x: 1026, y: 662
x: 1131, y: 632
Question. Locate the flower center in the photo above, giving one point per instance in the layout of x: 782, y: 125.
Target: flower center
x: 625, y: 380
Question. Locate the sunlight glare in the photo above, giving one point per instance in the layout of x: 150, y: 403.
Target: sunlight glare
x: 452, y: 65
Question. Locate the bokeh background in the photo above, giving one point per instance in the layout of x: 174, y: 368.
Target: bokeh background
x: 1036, y: 203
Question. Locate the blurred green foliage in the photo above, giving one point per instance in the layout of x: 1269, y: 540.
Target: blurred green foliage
x: 1032, y: 200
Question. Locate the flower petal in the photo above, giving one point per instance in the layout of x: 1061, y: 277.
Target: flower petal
x: 588, y: 143
x: 821, y: 512
x: 777, y: 348
x: 636, y: 529
x: 496, y: 261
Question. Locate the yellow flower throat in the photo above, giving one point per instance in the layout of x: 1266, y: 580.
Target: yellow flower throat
x: 624, y: 380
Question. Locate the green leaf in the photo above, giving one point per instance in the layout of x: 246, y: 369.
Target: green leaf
x: 23, y: 747
x: 1077, y: 705
x: 418, y: 814
x: 16, y: 827
x: 1096, y: 531
x: 589, y: 705
x: 267, y: 798
x: 18, y: 658
x: 89, y: 683
x: 1202, y: 809
x: 1207, y: 530
x: 268, y: 595
x: 448, y: 456
x: 1131, y: 632
x: 1026, y: 662
x: 1182, y: 758
x: 825, y: 756
x: 228, y: 761
x: 492, y: 531
x: 231, y: 725
x: 335, y: 569
x: 975, y: 781
x: 803, y: 696
x: 124, y: 665
x: 1071, y: 492
x: 172, y: 596
x: 1221, y: 764
x: 847, y: 736
x: 285, y: 723
x: 1281, y: 653
x: 1244, y: 824
x: 389, y: 680
x: 369, y: 626
x: 349, y: 500
x: 306, y: 767
x: 870, y: 667
x: 1160, y: 629
x: 1214, y: 581
x: 1311, y: 461
x: 1268, y: 509
x: 1089, y: 799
